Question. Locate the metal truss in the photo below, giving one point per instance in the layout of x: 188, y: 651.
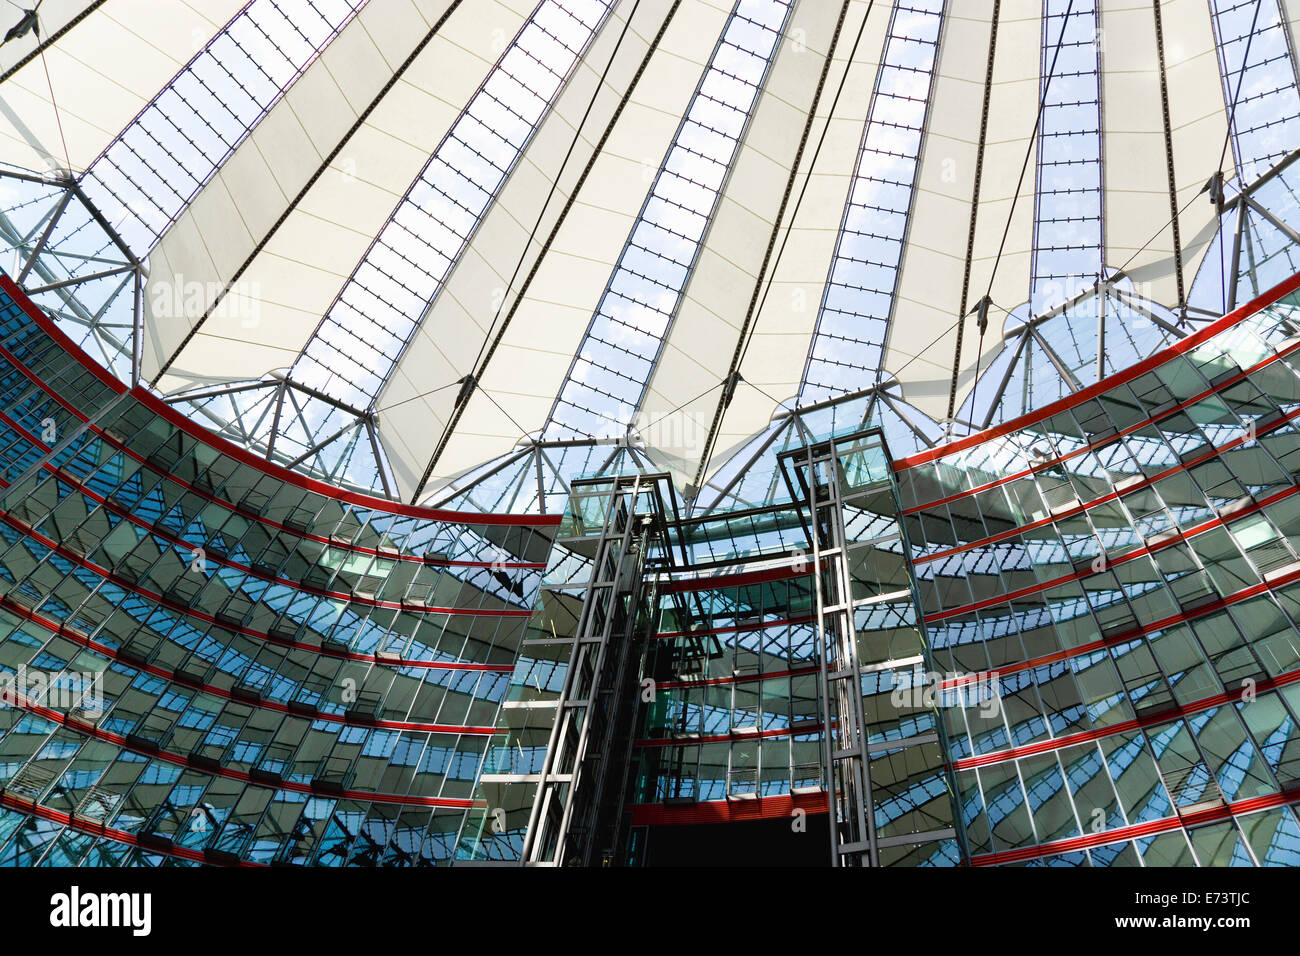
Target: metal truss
x: 1250, y: 214
x: 1254, y: 247
x: 74, y: 264
x: 577, y: 807
x: 845, y: 763
x: 536, y: 478
x: 298, y: 427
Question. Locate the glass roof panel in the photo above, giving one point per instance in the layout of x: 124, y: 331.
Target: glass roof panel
x: 1259, y: 76
x: 156, y: 166
x: 847, y: 347
x: 617, y: 356
x: 357, y: 344
x: 1067, y: 248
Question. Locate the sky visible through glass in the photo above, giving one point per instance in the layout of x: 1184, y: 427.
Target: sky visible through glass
x: 154, y: 169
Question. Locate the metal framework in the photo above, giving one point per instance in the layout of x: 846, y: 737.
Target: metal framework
x: 817, y: 471
x: 78, y: 267
x: 73, y: 251
x: 71, y: 261
x: 576, y: 813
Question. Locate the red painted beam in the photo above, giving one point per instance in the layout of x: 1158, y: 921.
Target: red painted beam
x: 775, y: 807
x: 1150, y: 828
x: 1119, y: 378
x: 238, y: 453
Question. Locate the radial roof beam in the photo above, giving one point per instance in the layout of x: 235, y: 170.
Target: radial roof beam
x: 847, y: 347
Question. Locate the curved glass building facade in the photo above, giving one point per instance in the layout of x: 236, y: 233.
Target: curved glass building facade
x: 507, y: 433
x: 1121, y: 569
x: 212, y: 659
x: 1068, y: 640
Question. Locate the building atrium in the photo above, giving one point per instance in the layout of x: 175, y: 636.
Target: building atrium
x: 644, y: 433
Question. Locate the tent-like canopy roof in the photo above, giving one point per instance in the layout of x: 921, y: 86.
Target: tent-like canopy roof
x: 390, y: 240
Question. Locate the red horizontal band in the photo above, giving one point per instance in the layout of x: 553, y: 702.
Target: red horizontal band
x: 54, y: 627
x: 1135, y: 427
x: 1125, y: 558
x: 1150, y: 828
x: 1171, y: 712
x: 1137, y: 370
x: 774, y: 807
x: 90, y: 730
x: 19, y: 805
x: 243, y: 455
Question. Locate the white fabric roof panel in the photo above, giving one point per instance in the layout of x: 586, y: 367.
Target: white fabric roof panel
x: 538, y: 346
x: 294, y: 211
x: 102, y: 72
x: 281, y: 296
x: 923, y: 333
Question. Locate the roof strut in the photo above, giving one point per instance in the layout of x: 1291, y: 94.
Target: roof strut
x: 974, y: 209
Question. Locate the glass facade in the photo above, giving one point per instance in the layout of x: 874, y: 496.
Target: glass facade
x: 1069, y: 640
x: 1121, y: 569
x: 275, y: 672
